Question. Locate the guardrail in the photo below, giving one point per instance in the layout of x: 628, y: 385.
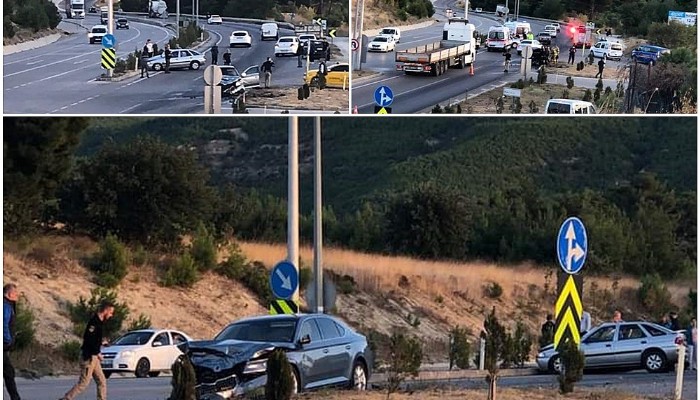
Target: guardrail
x: 227, y: 19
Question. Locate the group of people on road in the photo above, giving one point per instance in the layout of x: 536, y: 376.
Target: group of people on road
x: 149, y: 50
x: 90, y: 351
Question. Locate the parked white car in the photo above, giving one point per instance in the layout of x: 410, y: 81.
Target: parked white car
x: 383, y: 43
x: 528, y: 43
x: 551, y: 29
x: 286, y: 45
x: 215, y: 19
x: 145, y: 352
x: 608, y: 50
x: 392, y: 31
x: 240, y: 38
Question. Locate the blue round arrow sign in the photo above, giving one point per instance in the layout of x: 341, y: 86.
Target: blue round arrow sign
x: 108, y: 41
x: 383, y: 96
x: 572, y: 245
x: 284, y: 280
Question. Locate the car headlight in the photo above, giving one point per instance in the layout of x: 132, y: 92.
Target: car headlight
x: 255, y: 367
x: 540, y: 355
x: 126, y: 354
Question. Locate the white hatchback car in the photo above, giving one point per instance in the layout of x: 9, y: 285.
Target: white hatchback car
x: 383, y: 43
x: 607, y: 50
x: 215, y: 19
x: 240, y: 38
x: 535, y: 44
x: 286, y: 45
x: 145, y: 352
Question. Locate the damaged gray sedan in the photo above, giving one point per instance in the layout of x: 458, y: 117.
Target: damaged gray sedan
x: 322, y: 350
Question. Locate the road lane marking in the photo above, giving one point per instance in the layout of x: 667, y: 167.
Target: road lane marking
x: 35, y: 62
x: 80, y: 62
x: 126, y: 110
x: 409, y: 91
x: 375, y: 82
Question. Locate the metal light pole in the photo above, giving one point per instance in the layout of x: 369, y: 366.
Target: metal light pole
x: 318, y: 218
x: 110, y: 27
x: 177, y: 20
x: 293, y: 198
x: 197, y: 13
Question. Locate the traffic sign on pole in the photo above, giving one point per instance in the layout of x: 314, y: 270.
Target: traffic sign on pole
x: 281, y: 306
x: 109, y: 59
x: 331, y: 33
x: 383, y: 96
x: 109, y: 41
x: 568, y: 309
x: 355, y: 44
x: 572, y: 245
x: 284, y: 280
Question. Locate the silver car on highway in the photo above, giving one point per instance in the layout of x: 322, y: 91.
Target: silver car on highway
x: 636, y: 344
x: 180, y: 58
x: 322, y: 350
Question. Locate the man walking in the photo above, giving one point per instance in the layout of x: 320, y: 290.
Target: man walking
x: 91, y: 356
x: 168, y: 54
x: 227, y: 57
x: 267, y: 70
x: 144, y: 64
x: 9, y: 312
x: 601, y: 66
x: 300, y: 54
x: 572, y: 54
x: 506, y: 62
x: 214, y: 54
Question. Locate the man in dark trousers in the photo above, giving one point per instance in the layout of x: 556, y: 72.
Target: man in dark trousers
x: 572, y: 54
x: 167, y: 54
x: 301, y: 50
x: 9, y: 313
x: 144, y: 63
x: 267, y: 70
x: 547, y: 331
x: 227, y: 57
x: 601, y: 66
x: 214, y: 54
x: 506, y: 61
x: 91, y: 357
x: 322, y: 71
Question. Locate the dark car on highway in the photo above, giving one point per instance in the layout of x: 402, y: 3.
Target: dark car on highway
x: 320, y: 49
x: 648, y: 54
x: 322, y: 350
x: 122, y: 23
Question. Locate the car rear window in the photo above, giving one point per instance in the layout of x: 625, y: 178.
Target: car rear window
x: 388, y: 31
x: 653, y: 331
x: 288, y: 40
x: 616, y: 47
x: 496, y: 35
x: 240, y: 34
x: 99, y: 30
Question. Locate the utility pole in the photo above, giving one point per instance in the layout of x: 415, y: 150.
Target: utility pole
x: 318, y: 217
x: 110, y: 27
x: 359, y: 16
x: 293, y: 198
x: 177, y: 19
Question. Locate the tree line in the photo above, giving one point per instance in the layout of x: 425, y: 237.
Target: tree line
x: 28, y: 14
x: 151, y: 193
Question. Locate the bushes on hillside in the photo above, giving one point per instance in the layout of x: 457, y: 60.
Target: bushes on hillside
x: 203, y: 249
x: 111, y: 262
x: 460, y: 348
x: 405, y: 358
x: 24, y: 326
x: 81, y: 312
x: 181, y: 271
x: 654, y: 295
x: 71, y: 350
x: 34, y: 14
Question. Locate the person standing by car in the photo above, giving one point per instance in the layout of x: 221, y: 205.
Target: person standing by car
x: 322, y: 71
x: 572, y: 55
x: 617, y: 316
x: 675, y: 323
x: 168, y: 55
x: 144, y: 64
x: 547, y: 331
x: 90, y: 352
x: 692, y: 337
x: 148, y: 49
x: 227, y: 57
x: 506, y: 62
x: 9, y: 313
x: 214, y: 54
x: 267, y: 70
x: 300, y: 54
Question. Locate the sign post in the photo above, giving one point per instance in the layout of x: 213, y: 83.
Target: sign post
x: 572, y: 247
x: 108, y: 54
x: 212, y: 92
x: 284, y: 282
x: 110, y: 28
x: 383, y: 96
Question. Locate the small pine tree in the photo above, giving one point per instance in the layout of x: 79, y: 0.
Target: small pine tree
x: 203, y: 249
x: 279, y: 384
x: 495, y: 335
x: 183, y: 380
x: 569, y: 82
x: 588, y: 95
x: 565, y: 94
x: 437, y: 109
x: 111, y: 262
x: 405, y: 357
x: 517, y: 106
x: 460, y: 349
x: 499, y: 105
x: 572, y: 361
x: 596, y: 94
x: 459, y: 109
x: 533, y: 107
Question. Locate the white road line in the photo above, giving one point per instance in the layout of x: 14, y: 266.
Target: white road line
x: 375, y: 82
x: 80, y: 62
x: 126, y: 110
x: 35, y: 62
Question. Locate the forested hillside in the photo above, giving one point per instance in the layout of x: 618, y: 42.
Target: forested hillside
x: 438, y: 188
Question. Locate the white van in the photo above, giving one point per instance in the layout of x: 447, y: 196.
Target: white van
x: 518, y: 27
x: 391, y: 31
x: 498, y: 38
x: 269, y: 30
x: 568, y: 106
x: 608, y: 50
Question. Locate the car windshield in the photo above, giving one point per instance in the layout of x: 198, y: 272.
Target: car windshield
x: 133, y: 339
x: 496, y: 35
x: 121, y: 20
x: 380, y: 39
x: 264, y: 330
x: 99, y: 30
x: 616, y: 47
x: 388, y: 31
x: 229, y: 72
x: 286, y: 40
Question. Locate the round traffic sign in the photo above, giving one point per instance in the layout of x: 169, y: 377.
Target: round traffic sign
x: 212, y: 75
x: 572, y: 245
x: 355, y: 45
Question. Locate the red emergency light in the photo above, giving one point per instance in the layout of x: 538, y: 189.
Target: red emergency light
x: 573, y: 29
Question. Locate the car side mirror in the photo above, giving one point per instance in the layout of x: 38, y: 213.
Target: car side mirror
x: 306, y: 339
x: 157, y: 344
x: 243, y: 75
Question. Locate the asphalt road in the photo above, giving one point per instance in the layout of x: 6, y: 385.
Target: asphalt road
x: 60, y: 78
x: 419, y: 93
x: 127, y: 388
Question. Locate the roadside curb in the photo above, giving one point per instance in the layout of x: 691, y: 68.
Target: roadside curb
x: 459, y: 374
x: 32, y: 44
x: 120, y: 78
x: 374, y: 32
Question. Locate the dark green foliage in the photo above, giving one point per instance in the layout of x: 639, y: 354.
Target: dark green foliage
x: 203, y: 249
x: 493, y: 290
x: 183, y: 380
x: 305, y: 277
x: 37, y: 158
x: 142, y: 322
x: 692, y: 308
x: 572, y: 361
x: 24, y: 326
x: 496, y: 338
x: 167, y: 191
x: 33, y: 14
x: 437, y: 109
x: 71, y: 350
x: 279, y: 385
x: 345, y: 284
x: 569, y: 82
x: 588, y: 96
x: 654, y: 295
x: 460, y: 348
x: 188, y: 35
x: 111, y: 262
x: 81, y: 312
x: 181, y: 272
x: 522, y: 343
x: 253, y: 275
x: 534, y: 109
x: 405, y: 357
x: 8, y: 28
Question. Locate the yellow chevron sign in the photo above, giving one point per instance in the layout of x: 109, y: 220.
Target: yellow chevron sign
x: 281, y: 306
x: 568, y: 309
x: 109, y: 58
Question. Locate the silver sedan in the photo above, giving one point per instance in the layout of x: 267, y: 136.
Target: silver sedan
x: 180, y: 58
x: 637, y: 344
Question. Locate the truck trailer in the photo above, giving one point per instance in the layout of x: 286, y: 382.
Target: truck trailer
x: 456, y: 49
x: 157, y: 9
x: 75, y: 9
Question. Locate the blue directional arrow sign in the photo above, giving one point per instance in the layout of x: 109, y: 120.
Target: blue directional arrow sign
x: 383, y: 96
x: 572, y: 245
x: 284, y: 280
x: 108, y: 41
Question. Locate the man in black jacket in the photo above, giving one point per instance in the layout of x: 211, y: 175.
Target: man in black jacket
x: 91, y: 357
x: 9, y: 301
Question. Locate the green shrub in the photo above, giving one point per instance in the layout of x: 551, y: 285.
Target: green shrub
x: 139, y: 256
x: 24, y: 326
x: 345, y: 284
x: 181, y: 272
x: 183, y: 380
x: 257, y: 278
x: 279, y: 385
x: 405, y: 357
x: 654, y: 295
x: 81, y: 312
x: 522, y: 343
x: 588, y: 95
x: 573, y: 361
x: 111, y: 262
x: 460, y: 348
x: 120, y: 66
x: 8, y: 28
x: 436, y: 110
x: 203, y: 249
x: 142, y: 322
x: 71, y: 350
x: 494, y: 290
x: 569, y: 82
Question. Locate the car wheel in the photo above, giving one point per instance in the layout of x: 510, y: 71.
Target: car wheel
x: 296, y: 385
x: 157, y: 67
x: 358, y: 379
x: 194, y: 65
x: 555, y: 364
x: 654, y: 361
x: 142, y: 368
x: 277, y: 54
x: 107, y: 374
x: 153, y: 374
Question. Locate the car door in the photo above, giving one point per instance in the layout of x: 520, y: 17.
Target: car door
x: 337, y: 351
x: 160, y: 351
x: 251, y: 76
x: 631, y: 342
x: 310, y: 365
x: 174, y: 352
x: 598, y: 347
x: 596, y: 49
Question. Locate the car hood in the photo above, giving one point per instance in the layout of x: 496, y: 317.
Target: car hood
x: 547, y: 348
